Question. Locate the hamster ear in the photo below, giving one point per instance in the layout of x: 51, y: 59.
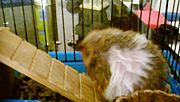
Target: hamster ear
x: 81, y: 48
x: 87, y: 55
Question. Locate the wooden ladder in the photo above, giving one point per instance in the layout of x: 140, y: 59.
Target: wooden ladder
x: 38, y: 65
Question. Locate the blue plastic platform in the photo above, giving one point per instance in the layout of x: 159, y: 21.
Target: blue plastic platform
x: 175, y: 85
x: 9, y: 100
x: 75, y: 62
x: 172, y: 16
x: 172, y: 61
x: 7, y: 3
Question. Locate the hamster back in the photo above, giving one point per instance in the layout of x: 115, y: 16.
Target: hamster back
x: 122, y: 62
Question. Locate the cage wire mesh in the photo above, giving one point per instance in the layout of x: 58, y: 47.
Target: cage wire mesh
x: 57, y: 26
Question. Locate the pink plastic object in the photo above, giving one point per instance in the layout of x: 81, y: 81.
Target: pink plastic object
x: 154, y: 21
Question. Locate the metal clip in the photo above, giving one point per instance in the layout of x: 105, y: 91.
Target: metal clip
x: 58, y: 43
x: 5, y: 23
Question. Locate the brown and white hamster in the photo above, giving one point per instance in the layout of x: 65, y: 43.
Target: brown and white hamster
x: 122, y: 62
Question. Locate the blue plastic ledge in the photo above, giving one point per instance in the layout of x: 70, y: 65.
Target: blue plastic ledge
x: 6, y: 100
x: 78, y: 65
x: 172, y: 16
x: 7, y: 3
x: 175, y: 85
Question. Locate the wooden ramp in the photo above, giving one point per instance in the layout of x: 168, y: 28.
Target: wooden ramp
x: 38, y: 65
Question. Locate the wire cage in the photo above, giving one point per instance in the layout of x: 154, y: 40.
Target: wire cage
x: 57, y: 26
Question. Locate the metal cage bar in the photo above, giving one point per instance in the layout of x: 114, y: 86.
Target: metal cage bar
x: 24, y: 20
x: 102, y: 11
x: 34, y: 24
x: 149, y: 20
x: 4, y: 17
x: 14, y: 20
x: 112, y: 14
x: 53, y: 9
x: 44, y: 25
x: 74, y: 52
x: 64, y: 33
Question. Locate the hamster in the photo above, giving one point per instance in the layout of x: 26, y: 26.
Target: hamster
x: 121, y: 62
